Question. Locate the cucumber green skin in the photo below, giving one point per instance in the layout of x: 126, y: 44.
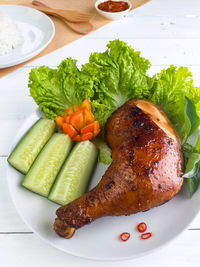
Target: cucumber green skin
x: 72, y: 180
x: 26, y: 151
x: 45, y: 168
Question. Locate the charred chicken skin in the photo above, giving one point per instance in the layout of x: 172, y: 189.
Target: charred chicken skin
x: 146, y: 170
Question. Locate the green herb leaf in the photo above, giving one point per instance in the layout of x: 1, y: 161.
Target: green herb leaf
x: 192, y: 166
x: 188, y: 148
x: 193, y: 183
x: 192, y: 120
x: 192, y: 159
x: 105, y: 153
x: 197, y: 146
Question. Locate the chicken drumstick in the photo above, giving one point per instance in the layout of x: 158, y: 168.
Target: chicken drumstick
x: 146, y: 170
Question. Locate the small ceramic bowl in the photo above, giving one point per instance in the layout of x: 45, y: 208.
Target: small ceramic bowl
x: 113, y: 15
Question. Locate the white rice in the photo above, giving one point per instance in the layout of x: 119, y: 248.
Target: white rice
x: 10, y: 36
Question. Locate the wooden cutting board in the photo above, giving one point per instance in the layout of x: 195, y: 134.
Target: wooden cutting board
x: 64, y: 35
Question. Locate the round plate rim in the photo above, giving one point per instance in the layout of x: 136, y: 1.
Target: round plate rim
x: 35, y: 52
x: 139, y: 255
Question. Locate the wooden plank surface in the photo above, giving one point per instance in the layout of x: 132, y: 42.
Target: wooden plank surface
x: 166, y: 32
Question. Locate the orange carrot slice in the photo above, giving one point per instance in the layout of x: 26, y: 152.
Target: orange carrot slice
x: 69, y: 129
x: 76, y: 120
x: 96, y: 128
x: 69, y: 111
x: 79, y: 122
x: 59, y: 121
x: 77, y: 138
x: 64, y: 127
x: 87, y: 136
x: 65, y: 118
x: 88, y: 116
x: 96, y: 132
x: 77, y: 108
x: 96, y: 125
x: 86, y: 104
x: 88, y: 128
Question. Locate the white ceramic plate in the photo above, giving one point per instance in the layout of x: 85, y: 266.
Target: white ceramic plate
x: 100, y: 239
x: 37, y: 31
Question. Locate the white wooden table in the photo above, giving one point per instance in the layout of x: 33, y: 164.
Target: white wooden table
x: 167, y: 32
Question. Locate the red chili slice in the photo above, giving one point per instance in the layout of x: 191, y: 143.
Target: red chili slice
x: 142, y: 227
x: 125, y: 236
x: 146, y: 235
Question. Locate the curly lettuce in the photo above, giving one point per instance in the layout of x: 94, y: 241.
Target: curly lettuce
x: 56, y: 89
x: 170, y: 88
x: 108, y: 80
x: 118, y: 74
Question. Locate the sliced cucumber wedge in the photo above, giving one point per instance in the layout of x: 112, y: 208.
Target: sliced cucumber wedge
x: 31, y: 144
x: 72, y: 180
x: 42, y: 173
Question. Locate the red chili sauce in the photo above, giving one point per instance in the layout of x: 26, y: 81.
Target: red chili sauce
x: 113, y: 6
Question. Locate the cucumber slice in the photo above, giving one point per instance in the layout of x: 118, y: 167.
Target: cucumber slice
x: 72, y: 180
x: 31, y: 144
x: 42, y: 173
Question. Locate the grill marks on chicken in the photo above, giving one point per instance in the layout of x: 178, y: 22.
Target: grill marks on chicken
x: 146, y: 170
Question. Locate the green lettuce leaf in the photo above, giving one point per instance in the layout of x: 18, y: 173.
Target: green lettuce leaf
x: 192, y: 161
x: 118, y: 74
x: 56, y: 89
x: 108, y: 80
x: 169, y: 91
x: 192, y: 120
x: 45, y: 88
x: 192, y: 166
x: 193, y: 183
x: 76, y: 86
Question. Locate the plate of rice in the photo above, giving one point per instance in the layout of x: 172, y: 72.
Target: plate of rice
x: 24, y: 33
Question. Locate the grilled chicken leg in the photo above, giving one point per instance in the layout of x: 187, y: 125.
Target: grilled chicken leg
x: 146, y: 170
